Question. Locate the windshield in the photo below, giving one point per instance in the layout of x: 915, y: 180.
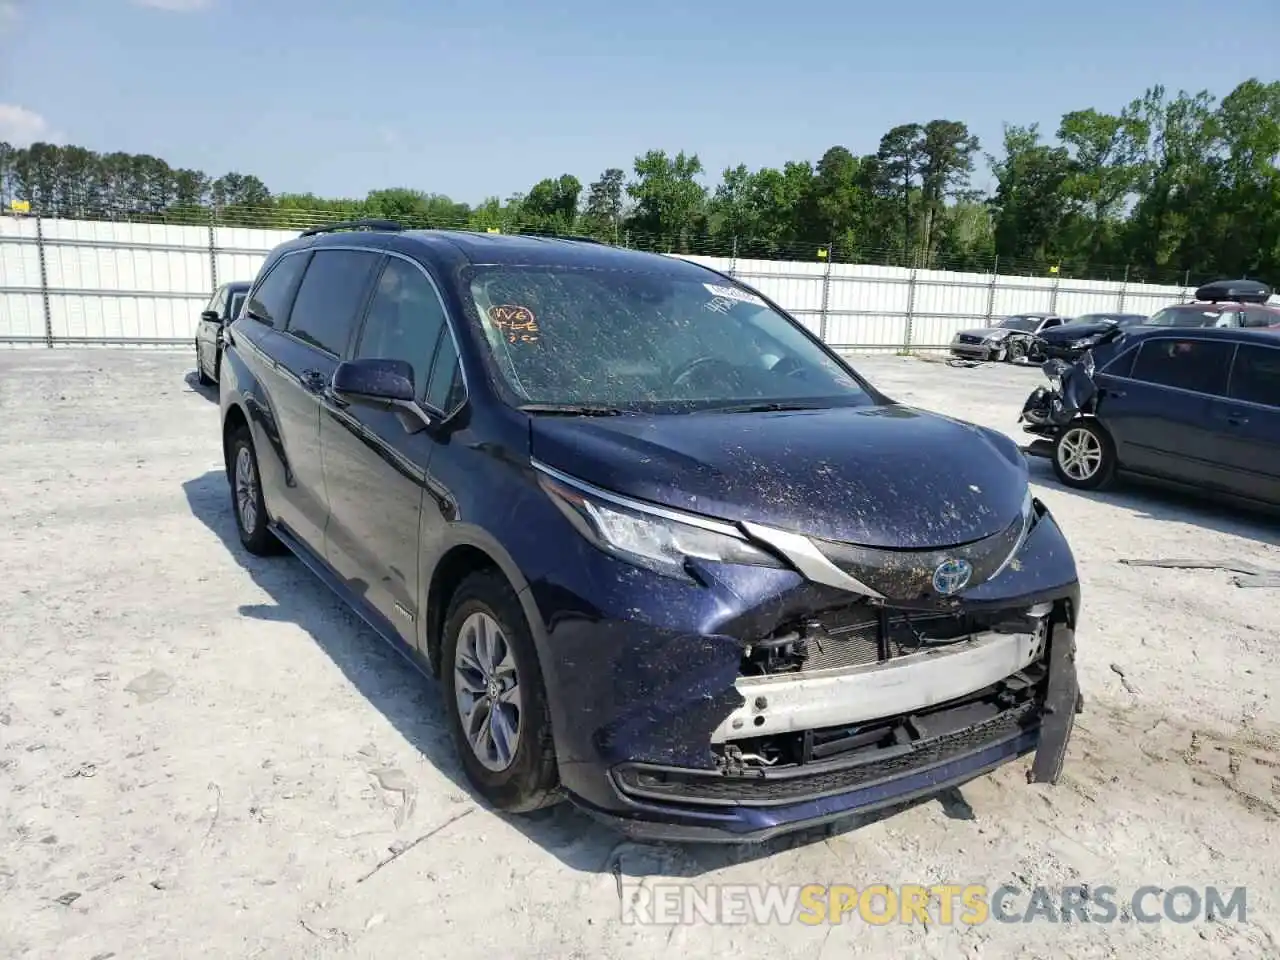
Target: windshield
x: 1028, y: 324
x: 649, y: 341
x: 1194, y: 315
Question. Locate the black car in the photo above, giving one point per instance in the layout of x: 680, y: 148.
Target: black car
x: 1195, y: 407
x: 669, y: 555
x: 224, y: 306
x: 1070, y: 340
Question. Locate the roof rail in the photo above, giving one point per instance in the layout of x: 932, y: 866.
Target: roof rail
x: 580, y: 238
x: 368, y: 223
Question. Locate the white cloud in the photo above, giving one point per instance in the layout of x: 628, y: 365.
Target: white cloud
x: 21, y: 127
x: 176, y: 6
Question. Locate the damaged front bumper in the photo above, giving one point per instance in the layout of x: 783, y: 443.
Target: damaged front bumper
x: 669, y: 733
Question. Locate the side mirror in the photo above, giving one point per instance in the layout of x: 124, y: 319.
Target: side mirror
x: 390, y: 380
x: 211, y: 316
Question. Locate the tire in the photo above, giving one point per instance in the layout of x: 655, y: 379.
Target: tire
x: 1084, y: 457
x: 1036, y: 352
x: 1016, y: 351
x: 248, y: 505
x: 522, y: 778
x: 200, y: 374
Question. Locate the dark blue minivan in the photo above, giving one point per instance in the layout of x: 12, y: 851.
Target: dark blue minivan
x: 670, y: 556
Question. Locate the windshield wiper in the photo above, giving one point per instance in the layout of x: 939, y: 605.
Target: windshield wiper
x: 768, y: 406
x: 571, y: 410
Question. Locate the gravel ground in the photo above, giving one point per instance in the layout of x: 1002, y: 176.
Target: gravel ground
x: 204, y: 754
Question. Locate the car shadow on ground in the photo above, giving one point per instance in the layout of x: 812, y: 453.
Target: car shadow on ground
x: 192, y: 380
x: 1151, y: 501
x: 411, y: 702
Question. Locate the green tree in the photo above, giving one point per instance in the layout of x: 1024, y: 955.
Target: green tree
x: 669, y: 200
x: 552, y: 205
x: 605, y: 198
x: 1106, y: 153
x: 1029, y: 207
x: 947, y: 152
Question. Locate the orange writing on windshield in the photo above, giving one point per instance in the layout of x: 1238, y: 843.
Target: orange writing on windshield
x: 515, y: 323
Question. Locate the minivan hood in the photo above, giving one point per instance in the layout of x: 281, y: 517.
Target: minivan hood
x: 884, y: 476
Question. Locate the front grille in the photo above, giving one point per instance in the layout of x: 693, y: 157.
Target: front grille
x: 969, y: 338
x: 857, y: 634
x: 809, y: 781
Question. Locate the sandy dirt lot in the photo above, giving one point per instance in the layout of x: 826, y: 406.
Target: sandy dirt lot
x: 202, y: 754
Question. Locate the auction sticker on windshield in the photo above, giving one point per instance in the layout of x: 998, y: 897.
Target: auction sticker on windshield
x: 733, y: 293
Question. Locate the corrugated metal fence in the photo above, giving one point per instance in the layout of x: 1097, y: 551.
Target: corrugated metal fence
x: 93, y: 283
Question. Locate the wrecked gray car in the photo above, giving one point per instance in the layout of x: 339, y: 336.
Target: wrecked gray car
x: 1006, y: 340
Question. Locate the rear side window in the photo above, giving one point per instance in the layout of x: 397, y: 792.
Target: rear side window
x: 1199, y: 365
x: 1260, y: 317
x: 330, y: 298
x: 1255, y: 377
x: 270, y: 302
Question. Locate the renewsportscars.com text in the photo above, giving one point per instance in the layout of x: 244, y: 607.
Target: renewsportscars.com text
x: 965, y: 904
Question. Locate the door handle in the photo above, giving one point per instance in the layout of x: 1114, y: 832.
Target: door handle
x: 1234, y: 418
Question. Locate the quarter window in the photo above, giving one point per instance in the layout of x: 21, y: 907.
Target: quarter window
x: 1255, y: 376
x: 404, y: 321
x: 330, y: 298
x: 218, y: 299
x: 1198, y: 365
x: 1121, y: 366
x: 445, y: 389
x: 270, y: 302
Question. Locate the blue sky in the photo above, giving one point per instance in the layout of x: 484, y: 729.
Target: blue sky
x: 475, y: 99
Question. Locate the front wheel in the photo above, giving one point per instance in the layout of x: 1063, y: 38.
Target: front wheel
x: 203, y: 377
x: 1017, y: 350
x: 247, y: 502
x: 1084, y: 457
x: 495, y: 699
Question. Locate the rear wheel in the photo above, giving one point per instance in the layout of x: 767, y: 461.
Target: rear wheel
x: 1083, y: 456
x: 495, y: 698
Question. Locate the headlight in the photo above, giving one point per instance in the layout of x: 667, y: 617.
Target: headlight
x: 655, y: 538
x: 1028, y: 521
x: 1081, y: 343
x: 997, y: 335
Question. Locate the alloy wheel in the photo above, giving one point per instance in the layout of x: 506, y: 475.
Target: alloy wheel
x: 1080, y: 454
x: 246, y: 490
x: 487, y: 689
